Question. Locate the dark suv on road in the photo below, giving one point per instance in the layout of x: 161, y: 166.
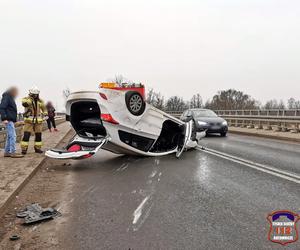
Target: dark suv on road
x: 206, y: 119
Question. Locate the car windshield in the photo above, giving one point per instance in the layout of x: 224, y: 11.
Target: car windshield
x: 204, y: 113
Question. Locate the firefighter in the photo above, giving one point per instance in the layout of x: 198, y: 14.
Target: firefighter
x: 34, y: 115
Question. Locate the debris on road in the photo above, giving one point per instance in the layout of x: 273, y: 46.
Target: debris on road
x: 67, y: 164
x: 14, y: 237
x: 34, y: 213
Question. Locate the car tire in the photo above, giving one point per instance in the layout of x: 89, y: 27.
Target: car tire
x: 135, y: 103
x: 223, y: 134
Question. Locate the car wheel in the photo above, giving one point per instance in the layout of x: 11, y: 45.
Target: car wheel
x: 223, y: 134
x: 135, y: 103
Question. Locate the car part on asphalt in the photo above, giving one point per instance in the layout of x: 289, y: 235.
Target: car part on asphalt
x: 35, y: 213
x: 135, y: 103
x: 14, y: 237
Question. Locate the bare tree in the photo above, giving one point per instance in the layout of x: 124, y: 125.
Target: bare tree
x: 196, y: 101
x: 119, y: 79
x: 232, y: 99
x: 274, y: 104
x: 66, y: 92
x: 293, y: 104
x: 176, y: 103
x: 155, y: 99
x: 150, y: 96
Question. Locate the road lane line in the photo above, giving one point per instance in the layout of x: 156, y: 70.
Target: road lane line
x: 138, y: 212
x: 261, y: 167
x: 256, y: 164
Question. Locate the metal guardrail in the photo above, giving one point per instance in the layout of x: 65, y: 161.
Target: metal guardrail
x: 274, y: 113
x: 176, y: 114
x: 277, y: 119
x: 20, y: 119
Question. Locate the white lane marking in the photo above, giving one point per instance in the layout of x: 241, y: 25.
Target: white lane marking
x: 138, y: 212
x: 125, y: 166
x: 153, y: 174
x: 146, y: 215
x: 261, y: 167
x: 122, y: 167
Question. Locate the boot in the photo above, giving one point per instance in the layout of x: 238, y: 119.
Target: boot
x: 38, y: 150
x: 7, y: 154
x: 50, y: 130
x: 16, y: 155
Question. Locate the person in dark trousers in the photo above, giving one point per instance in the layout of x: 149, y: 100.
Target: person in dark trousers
x: 51, y: 117
x: 34, y: 116
x: 8, y: 111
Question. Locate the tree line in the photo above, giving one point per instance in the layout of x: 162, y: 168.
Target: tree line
x: 230, y: 99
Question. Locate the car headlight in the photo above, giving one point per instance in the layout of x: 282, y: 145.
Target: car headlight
x: 202, y: 123
x: 224, y: 123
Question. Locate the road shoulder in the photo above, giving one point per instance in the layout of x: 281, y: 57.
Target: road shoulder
x: 15, y: 173
x: 50, y: 187
x: 286, y: 136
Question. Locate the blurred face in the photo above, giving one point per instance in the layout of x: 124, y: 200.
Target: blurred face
x: 14, y: 92
x: 34, y: 96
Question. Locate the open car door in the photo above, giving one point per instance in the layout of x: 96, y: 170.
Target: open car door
x: 187, y: 136
x: 78, y: 148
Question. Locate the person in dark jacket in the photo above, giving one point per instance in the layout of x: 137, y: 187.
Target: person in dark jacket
x: 51, y: 117
x: 8, y: 111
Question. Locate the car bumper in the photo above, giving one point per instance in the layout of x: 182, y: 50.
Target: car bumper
x: 213, y: 129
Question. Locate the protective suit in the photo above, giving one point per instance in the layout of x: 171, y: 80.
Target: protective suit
x: 34, y: 115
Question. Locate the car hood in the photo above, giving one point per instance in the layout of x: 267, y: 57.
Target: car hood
x: 210, y: 119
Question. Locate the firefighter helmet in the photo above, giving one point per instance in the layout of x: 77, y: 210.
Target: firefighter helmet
x: 34, y: 90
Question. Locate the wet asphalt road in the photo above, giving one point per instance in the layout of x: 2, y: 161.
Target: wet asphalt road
x: 200, y: 201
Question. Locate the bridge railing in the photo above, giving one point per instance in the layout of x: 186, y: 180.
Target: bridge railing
x: 269, y: 119
x: 19, y: 129
x: 286, y: 113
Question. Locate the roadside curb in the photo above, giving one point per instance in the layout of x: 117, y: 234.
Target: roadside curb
x: 28, y: 178
x: 276, y: 137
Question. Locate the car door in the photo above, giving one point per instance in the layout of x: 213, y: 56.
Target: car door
x: 183, y: 116
x: 187, y: 136
x: 187, y: 116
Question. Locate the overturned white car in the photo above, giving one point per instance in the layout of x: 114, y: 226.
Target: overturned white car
x: 119, y: 120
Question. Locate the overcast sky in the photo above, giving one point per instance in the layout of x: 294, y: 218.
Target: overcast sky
x: 175, y: 46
